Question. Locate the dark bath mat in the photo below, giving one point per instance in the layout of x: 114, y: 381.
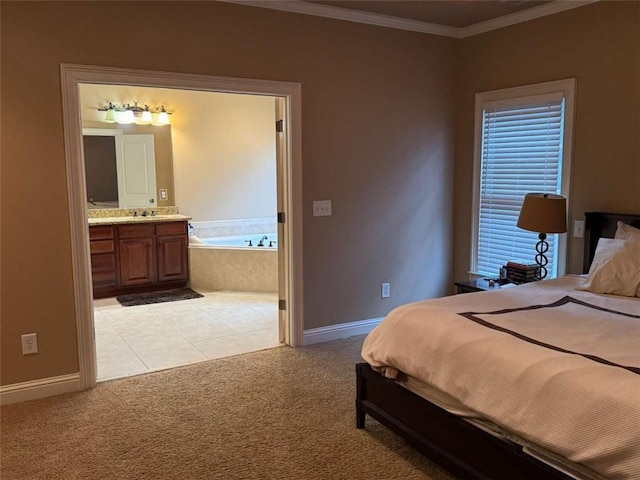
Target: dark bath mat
x: 157, y: 297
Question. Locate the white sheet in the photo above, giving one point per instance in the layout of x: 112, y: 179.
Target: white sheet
x: 555, y: 376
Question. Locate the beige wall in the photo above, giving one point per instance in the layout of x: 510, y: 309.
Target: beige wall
x: 599, y: 45
x: 224, y: 150
x: 377, y: 108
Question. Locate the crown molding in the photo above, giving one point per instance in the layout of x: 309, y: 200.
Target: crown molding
x: 380, y: 20
x: 357, y: 16
x: 523, y: 16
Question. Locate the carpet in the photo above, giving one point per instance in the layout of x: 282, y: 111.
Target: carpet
x: 160, y: 296
x: 284, y: 413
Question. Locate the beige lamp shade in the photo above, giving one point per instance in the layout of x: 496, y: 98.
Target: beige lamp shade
x: 543, y: 213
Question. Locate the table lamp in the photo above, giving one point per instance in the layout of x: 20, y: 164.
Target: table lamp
x: 543, y: 213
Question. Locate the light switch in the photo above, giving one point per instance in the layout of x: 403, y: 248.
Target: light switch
x: 578, y: 228
x: 322, y: 208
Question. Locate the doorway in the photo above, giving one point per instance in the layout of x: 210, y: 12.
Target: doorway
x: 216, y: 164
x: 289, y: 189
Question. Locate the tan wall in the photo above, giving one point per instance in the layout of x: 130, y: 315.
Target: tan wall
x: 377, y: 140
x: 598, y: 44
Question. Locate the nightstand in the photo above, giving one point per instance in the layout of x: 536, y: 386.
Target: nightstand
x: 479, y: 285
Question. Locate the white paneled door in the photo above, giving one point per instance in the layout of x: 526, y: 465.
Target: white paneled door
x: 136, y: 167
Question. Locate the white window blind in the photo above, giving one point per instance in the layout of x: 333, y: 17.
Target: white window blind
x: 521, y: 152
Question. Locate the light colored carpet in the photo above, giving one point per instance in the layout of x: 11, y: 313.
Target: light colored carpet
x: 276, y: 414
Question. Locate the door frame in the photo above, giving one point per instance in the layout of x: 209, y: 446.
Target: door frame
x: 71, y: 76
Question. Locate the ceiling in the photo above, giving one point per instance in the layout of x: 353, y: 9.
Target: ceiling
x: 450, y: 18
x: 453, y: 13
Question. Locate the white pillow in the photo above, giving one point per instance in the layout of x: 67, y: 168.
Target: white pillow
x: 627, y: 232
x: 615, y: 268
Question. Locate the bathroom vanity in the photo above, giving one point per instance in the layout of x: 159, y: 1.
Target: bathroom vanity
x: 138, y: 254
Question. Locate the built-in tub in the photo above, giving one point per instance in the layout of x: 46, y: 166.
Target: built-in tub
x: 271, y: 241
x: 229, y: 263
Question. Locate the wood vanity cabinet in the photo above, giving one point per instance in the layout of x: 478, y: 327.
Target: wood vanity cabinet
x: 138, y: 257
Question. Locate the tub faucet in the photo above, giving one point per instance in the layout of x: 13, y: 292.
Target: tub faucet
x: 261, y: 242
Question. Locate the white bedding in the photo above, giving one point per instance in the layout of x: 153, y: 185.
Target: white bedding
x: 564, y: 375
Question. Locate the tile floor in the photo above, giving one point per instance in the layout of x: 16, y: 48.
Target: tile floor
x: 141, y: 339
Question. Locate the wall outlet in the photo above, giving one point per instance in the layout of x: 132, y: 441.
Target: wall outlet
x: 163, y: 194
x: 385, y: 291
x: 29, y: 343
x: 578, y: 228
x: 322, y: 208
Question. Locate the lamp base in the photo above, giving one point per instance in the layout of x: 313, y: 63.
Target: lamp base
x: 542, y: 247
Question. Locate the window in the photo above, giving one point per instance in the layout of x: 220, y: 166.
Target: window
x: 523, y: 143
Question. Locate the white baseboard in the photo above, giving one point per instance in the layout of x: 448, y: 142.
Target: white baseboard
x: 342, y: 330
x: 45, y: 387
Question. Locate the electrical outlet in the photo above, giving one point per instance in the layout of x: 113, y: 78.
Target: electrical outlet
x: 163, y: 194
x: 385, y: 291
x: 322, y: 208
x: 29, y: 343
x: 578, y: 228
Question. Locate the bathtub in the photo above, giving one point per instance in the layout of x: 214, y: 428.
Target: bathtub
x: 228, y: 263
x: 243, y: 241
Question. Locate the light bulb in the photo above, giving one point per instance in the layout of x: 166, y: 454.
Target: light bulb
x: 162, y: 117
x: 110, y: 116
x: 145, y: 118
x: 126, y: 116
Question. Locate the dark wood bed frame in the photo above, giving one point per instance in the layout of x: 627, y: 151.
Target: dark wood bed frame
x: 461, y: 448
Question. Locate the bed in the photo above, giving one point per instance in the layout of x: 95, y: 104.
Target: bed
x: 581, y: 421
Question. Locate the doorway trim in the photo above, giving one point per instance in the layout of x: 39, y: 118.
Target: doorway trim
x: 71, y: 76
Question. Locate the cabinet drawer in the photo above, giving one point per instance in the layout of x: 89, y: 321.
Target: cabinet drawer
x: 171, y: 228
x: 103, y: 270
x: 100, y: 232
x: 104, y: 279
x: 135, y: 231
x: 103, y: 263
x: 101, y: 246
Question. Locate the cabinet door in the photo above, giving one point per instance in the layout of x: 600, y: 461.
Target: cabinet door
x: 173, y: 263
x: 137, y: 261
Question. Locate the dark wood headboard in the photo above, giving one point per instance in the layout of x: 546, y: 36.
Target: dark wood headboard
x: 599, y: 224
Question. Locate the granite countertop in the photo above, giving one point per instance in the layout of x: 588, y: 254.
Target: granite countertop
x: 138, y: 219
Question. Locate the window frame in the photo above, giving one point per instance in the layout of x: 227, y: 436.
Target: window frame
x: 566, y: 87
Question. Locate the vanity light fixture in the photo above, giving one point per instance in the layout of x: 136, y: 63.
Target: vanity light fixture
x: 127, y: 114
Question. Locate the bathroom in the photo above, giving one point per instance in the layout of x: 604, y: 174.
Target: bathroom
x: 215, y: 163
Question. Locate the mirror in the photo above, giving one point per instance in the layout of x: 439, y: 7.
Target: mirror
x: 128, y: 166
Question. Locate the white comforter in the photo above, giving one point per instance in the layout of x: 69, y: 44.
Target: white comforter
x: 565, y: 377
